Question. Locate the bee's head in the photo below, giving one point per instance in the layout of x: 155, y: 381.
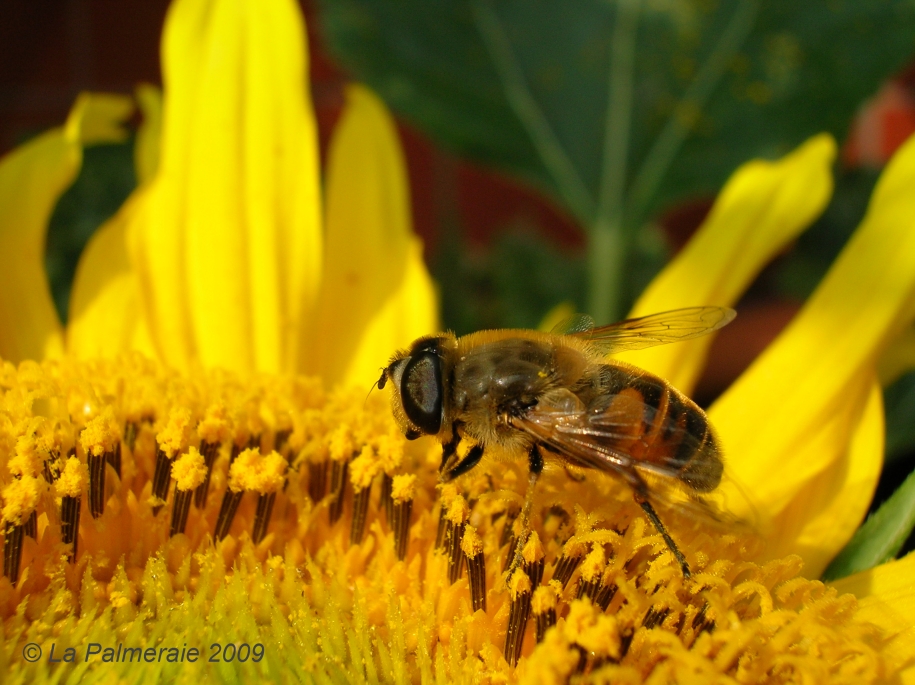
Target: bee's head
x: 417, y: 388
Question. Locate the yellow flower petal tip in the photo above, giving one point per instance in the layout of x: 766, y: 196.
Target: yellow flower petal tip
x: 374, y: 269
x: 804, y: 425
x: 99, y: 118
x: 337, y: 552
x: 762, y: 207
x: 146, y: 152
x: 32, y: 178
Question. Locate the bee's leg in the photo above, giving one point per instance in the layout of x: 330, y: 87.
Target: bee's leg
x: 471, y: 459
x: 449, y: 449
x: 653, y: 517
x: 536, y: 466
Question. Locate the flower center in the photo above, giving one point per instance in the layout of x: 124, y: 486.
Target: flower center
x: 165, y: 507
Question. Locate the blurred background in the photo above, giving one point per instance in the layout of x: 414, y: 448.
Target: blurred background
x: 502, y: 112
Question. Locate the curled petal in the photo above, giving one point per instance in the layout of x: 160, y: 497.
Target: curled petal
x: 763, y: 207
x: 376, y: 295
x: 819, y: 369
x: 98, y: 118
x: 105, y: 315
x: 149, y: 134
x: 105, y: 307
x: 32, y: 178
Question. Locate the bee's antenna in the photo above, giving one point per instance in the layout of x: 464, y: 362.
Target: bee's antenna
x: 380, y: 383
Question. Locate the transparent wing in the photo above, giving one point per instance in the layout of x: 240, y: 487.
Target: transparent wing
x: 647, y: 331
x: 591, y: 440
x: 572, y: 325
x: 598, y: 440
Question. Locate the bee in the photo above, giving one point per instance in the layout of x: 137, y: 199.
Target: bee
x: 557, y: 395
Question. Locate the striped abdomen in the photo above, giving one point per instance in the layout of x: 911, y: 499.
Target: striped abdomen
x: 640, y: 415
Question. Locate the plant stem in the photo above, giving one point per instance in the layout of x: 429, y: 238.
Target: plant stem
x: 606, y: 270
x: 681, y: 120
x: 549, y: 148
x: 609, y: 239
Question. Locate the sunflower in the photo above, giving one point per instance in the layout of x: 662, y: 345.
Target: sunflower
x: 195, y: 486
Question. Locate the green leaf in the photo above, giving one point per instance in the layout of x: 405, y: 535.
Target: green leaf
x: 522, y: 275
x: 509, y: 284
x: 899, y: 405
x: 105, y: 180
x: 525, y: 84
x: 800, y: 271
x: 882, y: 535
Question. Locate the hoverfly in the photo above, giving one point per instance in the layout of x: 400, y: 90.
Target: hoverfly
x: 556, y: 395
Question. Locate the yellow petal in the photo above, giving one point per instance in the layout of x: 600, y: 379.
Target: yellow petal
x: 227, y: 243
x: 406, y: 315
x: 781, y: 423
x: 146, y: 148
x: 376, y: 295
x: 98, y: 118
x: 105, y: 317
x: 763, y: 207
x: 32, y: 178
x: 821, y: 518
x: 886, y: 597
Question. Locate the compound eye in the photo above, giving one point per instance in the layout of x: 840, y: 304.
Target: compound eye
x: 421, y: 392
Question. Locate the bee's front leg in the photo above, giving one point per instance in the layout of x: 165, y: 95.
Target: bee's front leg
x: 536, y: 466
x: 449, y: 449
x: 471, y: 459
x: 450, y: 470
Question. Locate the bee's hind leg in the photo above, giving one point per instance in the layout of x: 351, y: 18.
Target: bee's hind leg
x: 671, y: 545
x: 536, y: 466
